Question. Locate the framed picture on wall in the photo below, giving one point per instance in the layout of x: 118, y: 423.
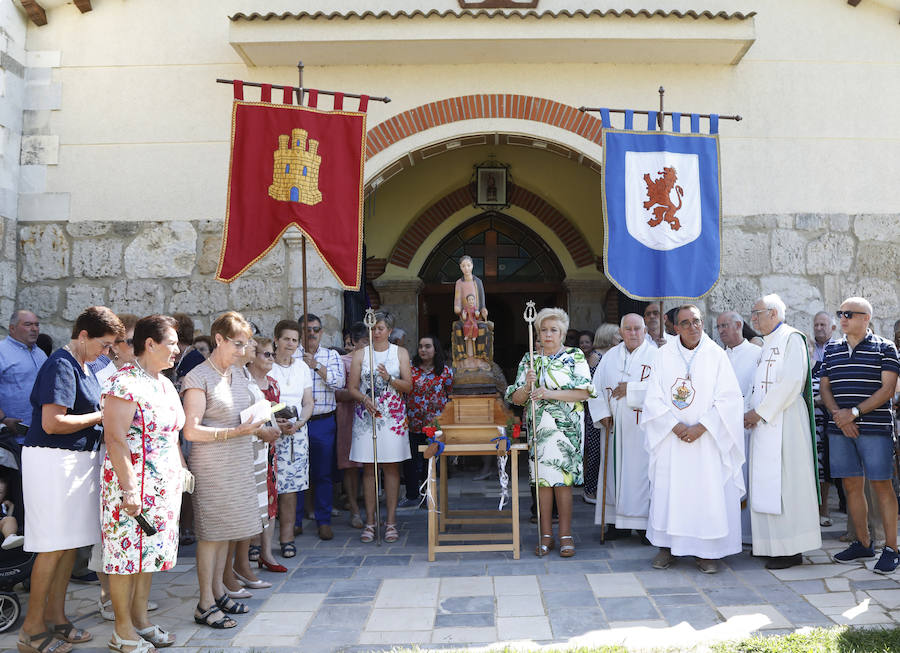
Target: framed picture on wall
x: 491, y: 186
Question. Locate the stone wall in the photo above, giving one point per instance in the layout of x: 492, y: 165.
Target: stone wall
x: 814, y: 262
x: 12, y: 101
x: 151, y: 267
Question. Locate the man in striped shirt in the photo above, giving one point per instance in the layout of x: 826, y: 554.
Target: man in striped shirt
x: 859, y: 374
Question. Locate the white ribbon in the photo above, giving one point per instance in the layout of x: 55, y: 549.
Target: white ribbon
x: 425, y: 489
x: 504, y: 480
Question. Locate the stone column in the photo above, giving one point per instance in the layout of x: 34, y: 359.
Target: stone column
x: 401, y: 298
x: 12, y: 97
x: 586, y: 297
x: 324, y: 295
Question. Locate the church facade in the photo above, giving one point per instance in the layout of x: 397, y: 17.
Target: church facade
x: 114, y: 145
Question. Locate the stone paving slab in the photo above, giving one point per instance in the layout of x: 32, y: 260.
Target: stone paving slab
x: 343, y: 595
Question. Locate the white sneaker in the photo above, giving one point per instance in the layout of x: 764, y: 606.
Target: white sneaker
x: 13, y: 542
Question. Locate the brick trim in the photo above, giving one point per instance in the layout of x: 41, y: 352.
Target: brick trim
x: 408, y: 243
x: 487, y: 105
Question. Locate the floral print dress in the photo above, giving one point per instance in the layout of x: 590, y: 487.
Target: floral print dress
x: 560, y: 424
x: 391, y: 425
x: 153, y: 441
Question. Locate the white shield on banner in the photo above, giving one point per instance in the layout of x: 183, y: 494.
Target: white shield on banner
x: 662, y: 198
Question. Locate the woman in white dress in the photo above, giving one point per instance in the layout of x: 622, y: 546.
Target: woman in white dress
x: 392, y: 379
x: 292, y: 449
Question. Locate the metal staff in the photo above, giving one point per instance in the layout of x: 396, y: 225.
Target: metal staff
x: 603, y: 504
x: 369, y: 321
x: 529, y: 319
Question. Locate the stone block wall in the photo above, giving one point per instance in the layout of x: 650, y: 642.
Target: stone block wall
x: 814, y: 262
x: 151, y: 267
x: 12, y: 101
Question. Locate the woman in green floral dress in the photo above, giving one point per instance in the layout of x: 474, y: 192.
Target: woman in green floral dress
x: 558, y: 385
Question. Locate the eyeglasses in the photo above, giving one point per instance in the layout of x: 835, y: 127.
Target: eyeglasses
x: 759, y: 310
x: 694, y: 323
x: 314, y: 329
x: 266, y: 354
x: 237, y: 343
x: 849, y: 314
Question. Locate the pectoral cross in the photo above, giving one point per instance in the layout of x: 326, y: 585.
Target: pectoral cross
x: 769, y: 362
x: 637, y: 415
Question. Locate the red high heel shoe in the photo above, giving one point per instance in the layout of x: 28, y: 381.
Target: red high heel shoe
x: 270, y: 567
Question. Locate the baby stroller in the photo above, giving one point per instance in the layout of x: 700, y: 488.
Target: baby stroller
x: 15, y: 564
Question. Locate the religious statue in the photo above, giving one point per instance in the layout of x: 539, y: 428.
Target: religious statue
x: 473, y: 335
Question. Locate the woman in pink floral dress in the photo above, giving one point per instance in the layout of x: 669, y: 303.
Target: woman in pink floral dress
x: 392, y: 378
x: 142, y: 476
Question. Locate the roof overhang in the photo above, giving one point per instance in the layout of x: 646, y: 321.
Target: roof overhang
x: 480, y: 36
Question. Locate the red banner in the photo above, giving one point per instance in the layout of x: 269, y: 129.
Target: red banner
x: 294, y: 166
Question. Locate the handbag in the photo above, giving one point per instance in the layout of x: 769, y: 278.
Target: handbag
x: 188, y: 481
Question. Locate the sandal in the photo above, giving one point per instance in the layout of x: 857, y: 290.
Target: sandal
x: 157, y: 636
x: 117, y: 645
x: 566, y: 550
x: 288, y: 550
x: 368, y: 534
x: 253, y: 555
x: 356, y: 522
x: 543, y: 549
x: 204, y: 618
x: 390, y: 533
x: 47, y: 642
x: 230, y: 606
x: 69, y: 633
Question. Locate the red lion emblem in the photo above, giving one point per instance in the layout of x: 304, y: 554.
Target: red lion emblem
x: 658, y: 196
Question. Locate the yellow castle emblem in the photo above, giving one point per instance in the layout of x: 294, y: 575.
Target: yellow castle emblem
x: 295, y: 172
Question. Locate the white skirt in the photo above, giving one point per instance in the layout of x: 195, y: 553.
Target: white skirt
x: 61, y: 492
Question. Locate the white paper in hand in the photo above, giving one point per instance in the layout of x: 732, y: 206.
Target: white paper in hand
x: 261, y: 410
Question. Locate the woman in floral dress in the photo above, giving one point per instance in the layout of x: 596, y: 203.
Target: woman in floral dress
x: 142, y: 475
x: 392, y: 379
x: 558, y: 385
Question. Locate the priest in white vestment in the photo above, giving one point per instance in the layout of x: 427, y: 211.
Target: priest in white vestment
x: 784, y: 504
x: 744, y: 357
x: 692, y: 421
x: 621, y: 380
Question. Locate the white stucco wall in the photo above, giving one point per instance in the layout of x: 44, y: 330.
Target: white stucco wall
x: 143, y: 128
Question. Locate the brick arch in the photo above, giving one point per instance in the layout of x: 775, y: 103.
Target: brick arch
x: 408, y: 244
x: 486, y: 105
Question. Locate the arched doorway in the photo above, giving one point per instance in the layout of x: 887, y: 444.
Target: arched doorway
x: 515, y: 265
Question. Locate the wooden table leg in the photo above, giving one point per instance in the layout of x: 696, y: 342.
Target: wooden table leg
x: 442, y: 503
x: 432, y: 517
x: 514, y: 489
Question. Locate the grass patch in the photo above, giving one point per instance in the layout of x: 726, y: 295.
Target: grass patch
x: 840, y: 639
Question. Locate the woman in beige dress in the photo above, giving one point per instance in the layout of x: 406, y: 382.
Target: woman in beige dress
x: 224, y: 499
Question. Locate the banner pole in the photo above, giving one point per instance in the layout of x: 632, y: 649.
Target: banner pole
x: 659, y: 121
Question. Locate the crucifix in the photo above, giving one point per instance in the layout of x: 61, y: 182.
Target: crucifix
x: 769, y: 362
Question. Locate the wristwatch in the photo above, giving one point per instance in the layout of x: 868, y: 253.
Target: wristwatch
x: 855, y: 412
x: 317, y: 367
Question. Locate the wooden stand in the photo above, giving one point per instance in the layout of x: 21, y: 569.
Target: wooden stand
x: 437, y: 524
x: 469, y: 423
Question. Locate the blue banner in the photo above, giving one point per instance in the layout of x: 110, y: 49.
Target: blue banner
x: 662, y: 212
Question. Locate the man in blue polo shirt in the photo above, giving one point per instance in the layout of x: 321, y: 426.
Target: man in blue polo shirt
x: 20, y: 361
x: 858, y: 377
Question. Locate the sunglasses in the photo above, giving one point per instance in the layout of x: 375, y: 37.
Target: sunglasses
x: 129, y: 342
x: 849, y: 314
x: 314, y: 329
x: 266, y: 354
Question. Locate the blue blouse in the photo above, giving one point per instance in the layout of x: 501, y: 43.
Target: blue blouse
x: 62, y: 381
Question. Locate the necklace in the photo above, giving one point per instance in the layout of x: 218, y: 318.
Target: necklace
x: 69, y: 349
x: 218, y: 371
x: 687, y: 363
x: 138, y: 365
